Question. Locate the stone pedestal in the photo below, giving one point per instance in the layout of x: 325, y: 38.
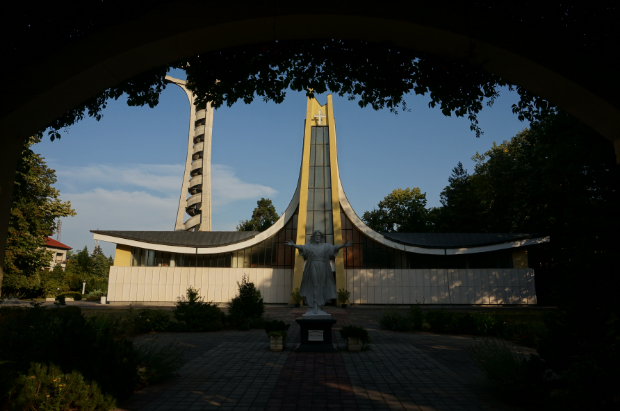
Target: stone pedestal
x: 316, y: 334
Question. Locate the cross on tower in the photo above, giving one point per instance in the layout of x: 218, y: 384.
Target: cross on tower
x: 319, y: 117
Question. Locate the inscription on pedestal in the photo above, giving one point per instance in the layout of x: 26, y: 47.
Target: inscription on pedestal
x: 315, y: 335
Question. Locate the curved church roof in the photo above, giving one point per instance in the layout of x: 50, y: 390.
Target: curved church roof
x: 183, y: 238
x: 457, y: 240
x: 318, y: 197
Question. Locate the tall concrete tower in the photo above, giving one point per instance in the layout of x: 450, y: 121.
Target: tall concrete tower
x: 195, y: 197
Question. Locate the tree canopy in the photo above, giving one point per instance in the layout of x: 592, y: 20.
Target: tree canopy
x: 263, y: 217
x: 557, y: 178
x: 379, y: 75
x: 94, y: 268
x: 35, y: 208
x: 402, y: 211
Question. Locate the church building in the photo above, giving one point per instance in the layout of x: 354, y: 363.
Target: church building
x: 380, y: 268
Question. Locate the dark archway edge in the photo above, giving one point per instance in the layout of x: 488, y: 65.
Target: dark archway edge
x: 39, y: 93
x: 541, y: 64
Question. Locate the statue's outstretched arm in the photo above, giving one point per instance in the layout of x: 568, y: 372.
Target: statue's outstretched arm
x: 292, y: 244
x: 338, y: 247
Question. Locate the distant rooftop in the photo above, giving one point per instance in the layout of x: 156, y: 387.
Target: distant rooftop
x: 457, y: 240
x: 50, y: 242
x: 183, y: 238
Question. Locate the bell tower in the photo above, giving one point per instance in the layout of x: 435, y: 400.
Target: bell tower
x: 319, y: 197
x: 195, y: 199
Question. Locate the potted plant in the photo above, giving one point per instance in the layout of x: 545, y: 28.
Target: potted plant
x: 357, y: 337
x: 343, y: 297
x: 296, y: 297
x: 277, y: 331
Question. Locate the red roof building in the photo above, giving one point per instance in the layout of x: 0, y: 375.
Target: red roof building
x: 51, y: 243
x: 59, y: 251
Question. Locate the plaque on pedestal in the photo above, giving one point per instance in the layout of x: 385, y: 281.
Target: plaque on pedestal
x: 316, y: 333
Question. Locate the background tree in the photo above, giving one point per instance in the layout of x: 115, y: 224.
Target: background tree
x: 263, y: 217
x: 461, y: 206
x: 35, y: 208
x: 54, y: 281
x: 93, y: 268
x: 558, y: 177
x: 402, y: 211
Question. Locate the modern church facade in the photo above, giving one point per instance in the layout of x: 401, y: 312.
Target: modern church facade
x: 380, y: 268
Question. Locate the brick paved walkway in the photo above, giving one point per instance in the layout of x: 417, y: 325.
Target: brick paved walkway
x: 234, y: 370
x: 313, y: 381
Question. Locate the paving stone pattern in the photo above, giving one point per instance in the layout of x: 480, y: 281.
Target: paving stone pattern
x: 313, y: 381
x: 225, y: 372
x: 396, y: 375
x: 234, y: 370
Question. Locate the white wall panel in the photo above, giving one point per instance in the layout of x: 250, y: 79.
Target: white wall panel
x: 112, y: 275
x: 366, y: 279
x: 371, y: 291
x: 142, y: 274
x: 367, y: 286
x: 267, y: 283
x: 398, y: 283
x: 442, y: 294
x: 426, y: 277
x: 139, y: 292
x: 531, y: 286
x: 126, y: 292
x: 225, y: 284
x: 112, y: 283
x: 470, y: 296
x: 417, y: 295
x: 135, y: 274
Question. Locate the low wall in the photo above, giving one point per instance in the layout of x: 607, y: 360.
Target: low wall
x: 367, y: 286
x: 135, y: 284
x: 441, y: 286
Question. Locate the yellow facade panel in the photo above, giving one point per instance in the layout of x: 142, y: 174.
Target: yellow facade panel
x: 122, y: 257
x: 519, y: 258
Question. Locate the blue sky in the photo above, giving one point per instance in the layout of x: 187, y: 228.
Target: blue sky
x: 125, y: 171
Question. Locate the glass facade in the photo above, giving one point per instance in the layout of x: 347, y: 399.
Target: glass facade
x: 367, y: 253
x: 319, y: 186
x: 271, y: 253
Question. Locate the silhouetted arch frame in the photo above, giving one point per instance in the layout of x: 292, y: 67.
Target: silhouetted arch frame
x: 545, y: 66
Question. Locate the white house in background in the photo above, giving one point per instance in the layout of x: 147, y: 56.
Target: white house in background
x: 59, y: 252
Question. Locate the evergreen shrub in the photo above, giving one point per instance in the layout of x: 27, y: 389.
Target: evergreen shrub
x: 198, y: 315
x: 463, y: 324
x: 390, y: 319
x: 148, y: 320
x: 509, y: 373
x: 62, y: 336
x: 353, y: 331
x: 417, y: 316
x: 296, y: 296
x: 157, y: 363
x: 395, y: 320
x: 439, y: 320
x: 48, y: 388
x: 95, y: 294
x: 246, y: 309
x: 276, y: 326
x: 343, y: 295
x: 72, y: 294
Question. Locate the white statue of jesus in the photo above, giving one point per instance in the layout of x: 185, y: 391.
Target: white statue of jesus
x: 317, y: 283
